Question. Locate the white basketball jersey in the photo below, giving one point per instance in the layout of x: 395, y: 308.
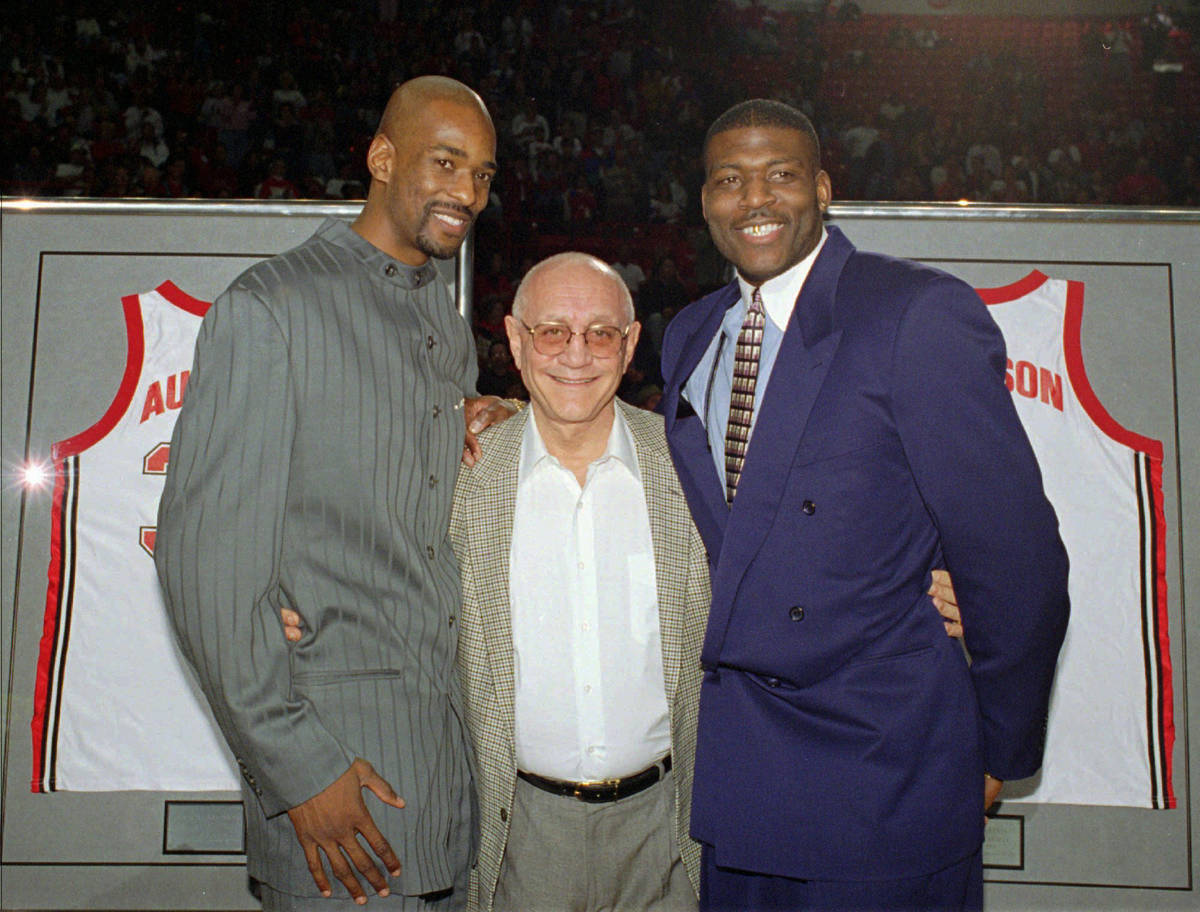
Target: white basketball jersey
x: 115, y: 707
x: 1110, y: 731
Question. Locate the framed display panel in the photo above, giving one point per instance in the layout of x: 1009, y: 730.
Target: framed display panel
x: 66, y: 267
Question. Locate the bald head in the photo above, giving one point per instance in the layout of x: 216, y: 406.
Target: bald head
x: 571, y: 383
x: 412, y: 97
x: 431, y: 162
x: 570, y: 261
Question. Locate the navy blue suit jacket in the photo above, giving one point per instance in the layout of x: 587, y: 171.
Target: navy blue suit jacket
x: 842, y: 733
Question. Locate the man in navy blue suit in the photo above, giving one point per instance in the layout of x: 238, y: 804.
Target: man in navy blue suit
x: 847, y: 747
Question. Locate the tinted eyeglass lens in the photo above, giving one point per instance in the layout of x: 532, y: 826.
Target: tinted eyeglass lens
x: 551, y: 338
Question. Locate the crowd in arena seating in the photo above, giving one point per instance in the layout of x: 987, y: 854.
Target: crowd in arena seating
x: 600, y: 108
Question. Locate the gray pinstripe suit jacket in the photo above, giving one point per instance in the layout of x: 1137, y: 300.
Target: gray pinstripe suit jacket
x: 481, y: 531
x: 312, y: 465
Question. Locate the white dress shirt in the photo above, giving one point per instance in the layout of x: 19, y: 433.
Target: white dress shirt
x: 590, y: 698
x: 707, y: 393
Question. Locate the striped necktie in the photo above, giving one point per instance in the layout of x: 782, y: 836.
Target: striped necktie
x: 741, y: 396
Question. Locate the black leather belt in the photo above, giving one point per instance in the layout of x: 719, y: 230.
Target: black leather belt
x: 604, y: 789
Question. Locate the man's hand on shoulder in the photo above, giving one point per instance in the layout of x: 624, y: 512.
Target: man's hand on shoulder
x: 332, y: 821
x: 480, y: 413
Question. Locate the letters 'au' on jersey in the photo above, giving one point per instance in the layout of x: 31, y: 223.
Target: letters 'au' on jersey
x: 115, y: 707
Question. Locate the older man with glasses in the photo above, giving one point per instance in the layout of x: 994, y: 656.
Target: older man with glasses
x: 585, y: 598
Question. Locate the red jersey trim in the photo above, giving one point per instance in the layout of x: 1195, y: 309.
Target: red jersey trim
x: 182, y: 299
x: 134, y: 356
x: 56, y: 621
x: 1166, y: 694
x: 1077, y: 373
x: 1073, y: 353
x: 1017, y: 289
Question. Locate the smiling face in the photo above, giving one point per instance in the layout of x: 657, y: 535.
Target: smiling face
x: 435, y: 175
x: 572, y: 393
x: 763, y: 197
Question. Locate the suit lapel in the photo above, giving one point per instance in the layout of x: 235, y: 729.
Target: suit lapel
x: 667, y: 509
x: 809, y: 346
x: 490, y: 509
x: 688, y: 436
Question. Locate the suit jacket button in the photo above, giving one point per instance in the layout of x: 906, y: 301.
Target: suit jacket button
x: 808, y: 507
x: 389, y: 269
x: 504, y: 813
x: 796, y: 613
x: 772, y: 682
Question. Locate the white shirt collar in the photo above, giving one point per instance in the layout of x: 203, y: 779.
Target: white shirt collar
x: 779, y: 293
x: 620, y: 447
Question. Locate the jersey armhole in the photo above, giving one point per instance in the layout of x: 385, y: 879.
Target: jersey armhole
x: 135, y: 350
x: 1017, y: 289
x: 181, y: 299
x: 1077, y: 374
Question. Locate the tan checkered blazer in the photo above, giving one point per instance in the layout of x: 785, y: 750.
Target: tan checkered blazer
x: 481, y: 531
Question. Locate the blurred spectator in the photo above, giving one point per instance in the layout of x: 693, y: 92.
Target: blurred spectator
x: 234, y: 114
x: 662, y: 290
x: 1141, y: 187
x: 150, y: 146
x: 288, y: 93
x: 647, y: 397
x: 497, y: 375
x: 107, y: 144
x: 579, y: 205
x: 663, y: 205
x: 149, y: 181
x: 628, y: 269
x: 141, y: 112
x: 175, y: 180
x: 624, y: 197
x: 493, y: 285
x: 530, y: 130
x: 276, y: 184
x: 141, y: 56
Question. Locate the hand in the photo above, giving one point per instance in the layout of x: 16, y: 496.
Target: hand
x: 478, y: 414
x: 946, y: 603
x: 293, y: 627
x: 991, y: 790
x: 332, y: 821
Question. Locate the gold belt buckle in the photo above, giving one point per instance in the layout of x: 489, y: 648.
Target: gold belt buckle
x: 580, y: 787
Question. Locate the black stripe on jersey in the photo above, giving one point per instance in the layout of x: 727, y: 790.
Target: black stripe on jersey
x: 1157, y: 614
x: 1152, y: 665
x: 66, y: 604
x: 48, y: 736
x: 1147, y: 624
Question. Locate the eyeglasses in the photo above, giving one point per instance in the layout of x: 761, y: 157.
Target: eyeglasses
x: 602, y: 340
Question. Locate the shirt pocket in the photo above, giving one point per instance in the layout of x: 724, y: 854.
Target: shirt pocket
x: 643, y: 597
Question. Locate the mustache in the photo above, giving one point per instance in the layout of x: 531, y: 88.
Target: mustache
x: 457, y: 208
x: 763, y: 213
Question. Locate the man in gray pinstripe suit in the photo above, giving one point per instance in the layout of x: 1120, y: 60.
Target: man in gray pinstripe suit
x: 585, y: 596
x: 312, y: 467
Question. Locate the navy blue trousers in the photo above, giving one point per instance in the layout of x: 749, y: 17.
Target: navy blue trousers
x: 958, y: 887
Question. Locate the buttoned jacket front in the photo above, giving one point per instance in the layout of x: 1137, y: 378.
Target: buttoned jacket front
x: 842, y: 735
